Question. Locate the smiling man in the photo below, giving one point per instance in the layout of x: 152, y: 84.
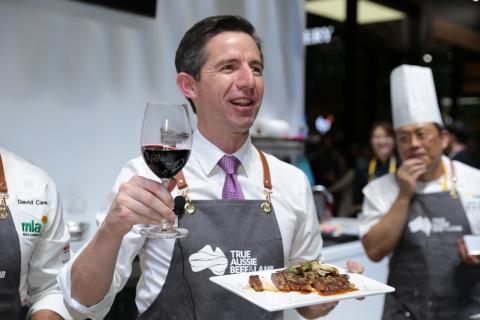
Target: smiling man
x: 419, y: 215
x: 252, y: 211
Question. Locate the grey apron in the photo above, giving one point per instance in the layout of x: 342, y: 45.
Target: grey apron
x: 426, y: 271
x: 9, y: 259
x: 245, y: 235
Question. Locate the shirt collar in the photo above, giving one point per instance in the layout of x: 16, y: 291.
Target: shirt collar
x: 208, y: 154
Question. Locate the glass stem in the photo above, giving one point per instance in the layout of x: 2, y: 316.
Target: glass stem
x: 164, y: 225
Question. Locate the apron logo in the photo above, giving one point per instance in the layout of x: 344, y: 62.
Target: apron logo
x: 471, y: 201
x: 3, y: 274
x: 437, y: 225
x: 31, y: 229
x: 66, y: 253
x: 473, y: 195
x: 206, y: 258
x: 240, y: 261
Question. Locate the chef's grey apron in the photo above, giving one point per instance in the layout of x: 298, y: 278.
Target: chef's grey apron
x: 9, y: 259
x: 426, y: 271
x: 229, y: 225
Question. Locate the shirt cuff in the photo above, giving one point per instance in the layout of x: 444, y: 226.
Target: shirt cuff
x: 52, y: 302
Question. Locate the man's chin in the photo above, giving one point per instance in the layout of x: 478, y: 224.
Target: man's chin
x: 245, y: 125
x: 424, y: 177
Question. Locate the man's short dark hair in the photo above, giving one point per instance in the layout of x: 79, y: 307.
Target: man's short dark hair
x: 191, y: 56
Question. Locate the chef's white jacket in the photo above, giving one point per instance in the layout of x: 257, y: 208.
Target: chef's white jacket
x: 292, y: 201
x: 36, y: 209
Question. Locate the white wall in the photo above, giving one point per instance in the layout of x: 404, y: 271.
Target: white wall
x: 74, y: 80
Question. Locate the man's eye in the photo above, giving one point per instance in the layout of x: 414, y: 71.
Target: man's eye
x: 228, y: 67
x: 422, y: 134
x: 257, y: 71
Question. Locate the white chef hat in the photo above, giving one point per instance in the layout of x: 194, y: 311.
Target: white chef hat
x: 413, y: 96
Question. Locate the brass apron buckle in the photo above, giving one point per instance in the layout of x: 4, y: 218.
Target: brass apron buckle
x: 4, y: 211
x: 189, y: 206
x: 267, y: 204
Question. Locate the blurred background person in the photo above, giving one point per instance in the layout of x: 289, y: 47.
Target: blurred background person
x: 325, y: 161
x: 460, y: 145
x: 383, y: 160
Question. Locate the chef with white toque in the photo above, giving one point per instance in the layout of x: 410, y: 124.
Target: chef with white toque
x: 418, y: 216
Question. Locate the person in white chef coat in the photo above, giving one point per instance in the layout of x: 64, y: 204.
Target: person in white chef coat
x: 418, y: 216
x: 34, y: 241
x: 219, y: 63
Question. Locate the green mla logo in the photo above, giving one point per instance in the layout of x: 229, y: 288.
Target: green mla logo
x: 31, y: 228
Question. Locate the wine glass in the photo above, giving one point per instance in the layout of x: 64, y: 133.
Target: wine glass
x: 166, y: 141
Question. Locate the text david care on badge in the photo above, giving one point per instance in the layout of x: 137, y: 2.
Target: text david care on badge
x: 32, y: 202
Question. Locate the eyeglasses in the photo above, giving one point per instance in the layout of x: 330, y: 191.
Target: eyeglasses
x: 422, y: 135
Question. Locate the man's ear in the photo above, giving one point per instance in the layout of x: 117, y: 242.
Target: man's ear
x: 186, y: 84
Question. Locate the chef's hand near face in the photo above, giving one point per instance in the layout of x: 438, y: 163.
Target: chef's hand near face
x: 465, y: 257
x: 140, y: 201
x: 408, y: 174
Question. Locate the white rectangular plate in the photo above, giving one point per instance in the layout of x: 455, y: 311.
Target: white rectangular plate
x: 272, y: 300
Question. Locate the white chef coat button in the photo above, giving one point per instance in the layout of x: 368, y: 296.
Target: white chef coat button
x: 429, y: 303
x: 407, y: 314
x: 416, y: 293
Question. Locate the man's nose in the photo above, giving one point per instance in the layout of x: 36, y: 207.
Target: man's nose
x: 246, y: 78
x: 415, y: 141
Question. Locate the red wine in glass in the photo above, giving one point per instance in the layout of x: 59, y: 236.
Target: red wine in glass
x: 165, y: 162
x: 166, y: 141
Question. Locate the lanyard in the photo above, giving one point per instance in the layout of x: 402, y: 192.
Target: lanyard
x: 453, y: 192
x: 3, y: 193
x: 392, y: 167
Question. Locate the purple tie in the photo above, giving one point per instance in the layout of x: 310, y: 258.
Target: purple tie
x: 231, y: 187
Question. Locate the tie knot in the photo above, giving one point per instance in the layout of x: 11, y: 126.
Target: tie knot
x: 229, y: 164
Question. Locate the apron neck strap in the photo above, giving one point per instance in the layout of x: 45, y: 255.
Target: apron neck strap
x: 453, y: 178
x: 181, y: 183
x: 3, y: 181
x: 266, y: 205
x: 267, y: 181
x: 392, y: 167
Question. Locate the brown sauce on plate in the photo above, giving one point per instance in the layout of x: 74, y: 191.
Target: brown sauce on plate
x: 337, y: 292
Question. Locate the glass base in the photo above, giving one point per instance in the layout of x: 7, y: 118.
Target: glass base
x: 159, y: 232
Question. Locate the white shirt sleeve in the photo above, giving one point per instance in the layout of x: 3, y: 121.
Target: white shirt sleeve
x: 131, y: 244
x: 379, y: 196
x: 50, y: 254
x: 307, y: 241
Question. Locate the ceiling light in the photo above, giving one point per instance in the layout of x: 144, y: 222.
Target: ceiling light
x: 367, y: 11
x: 427, y: 58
